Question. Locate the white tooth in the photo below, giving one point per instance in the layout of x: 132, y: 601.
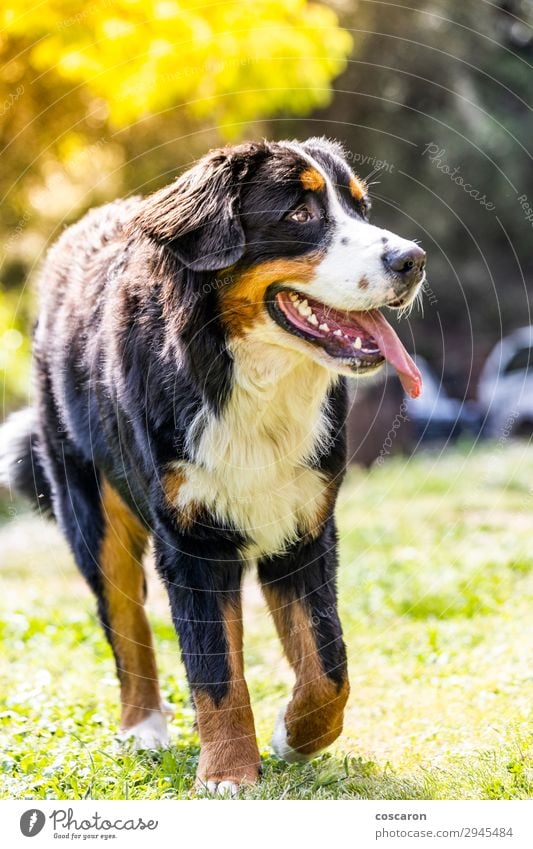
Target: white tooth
x: 304, y: 303
x: 324, y: 327
x: 312, y: 319
x: 357, y: 344
x: 303, y: 310
x: 337, y: 332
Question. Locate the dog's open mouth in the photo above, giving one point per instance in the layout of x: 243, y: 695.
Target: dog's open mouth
x: 361, y: 340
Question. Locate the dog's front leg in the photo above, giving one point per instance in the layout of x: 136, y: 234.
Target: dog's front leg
x: 203, y: 581
x: 300, y: 589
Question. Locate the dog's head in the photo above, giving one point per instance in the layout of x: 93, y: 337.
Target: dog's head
x: 280, y: 232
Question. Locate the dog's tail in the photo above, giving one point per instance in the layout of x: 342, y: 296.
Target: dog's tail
x: 21, y: 469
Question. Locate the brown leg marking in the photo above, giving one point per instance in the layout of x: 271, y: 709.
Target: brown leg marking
x: 314, y: 716
x: 227, y: 732
x: 123, y: 590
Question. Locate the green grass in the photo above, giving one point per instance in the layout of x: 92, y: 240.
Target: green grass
x: 436, y: 587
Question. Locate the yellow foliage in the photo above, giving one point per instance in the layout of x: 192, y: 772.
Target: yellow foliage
x: 14, y: 349
x: 77, y: 79
x: 231, y: 62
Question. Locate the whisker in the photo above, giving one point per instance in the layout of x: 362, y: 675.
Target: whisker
x: 369, y: 177
x: 419, y: 301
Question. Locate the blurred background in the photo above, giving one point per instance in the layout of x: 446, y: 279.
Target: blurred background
x: 431, y: 99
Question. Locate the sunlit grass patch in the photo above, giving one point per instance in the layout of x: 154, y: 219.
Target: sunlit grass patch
x: 436, y: 591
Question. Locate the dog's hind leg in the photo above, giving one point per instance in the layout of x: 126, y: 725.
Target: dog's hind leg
x: 299, y: 587
x: 123, y: 615
x: 108, y: 543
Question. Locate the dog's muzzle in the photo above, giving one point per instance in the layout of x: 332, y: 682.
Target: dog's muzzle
x: 406, y: 267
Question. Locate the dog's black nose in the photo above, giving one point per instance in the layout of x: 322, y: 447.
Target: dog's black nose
x: 407, y: 264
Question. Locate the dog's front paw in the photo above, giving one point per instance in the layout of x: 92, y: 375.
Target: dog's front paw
x: 150, y: 733
x: 225, y: 788
x: 223, y: 770
x: 281, y: 746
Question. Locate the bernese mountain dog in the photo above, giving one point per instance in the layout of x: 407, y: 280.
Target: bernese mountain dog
x: 190, y: 360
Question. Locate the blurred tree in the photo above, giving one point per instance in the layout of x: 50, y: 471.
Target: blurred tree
x: 96, y: 104
x: 94, y: 100
x: 457, y: 76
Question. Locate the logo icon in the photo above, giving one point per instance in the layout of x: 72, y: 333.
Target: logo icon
x: 32, y: 822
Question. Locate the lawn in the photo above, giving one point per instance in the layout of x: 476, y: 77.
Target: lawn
x: 436, y: 588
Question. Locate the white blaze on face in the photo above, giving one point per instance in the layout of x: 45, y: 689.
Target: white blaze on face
x: 352, y: 275
x: 350, y: 280
x: 354, y: 256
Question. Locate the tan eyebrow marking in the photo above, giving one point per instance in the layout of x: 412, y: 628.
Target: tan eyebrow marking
x: 312, y: 180
x: 357, y: 188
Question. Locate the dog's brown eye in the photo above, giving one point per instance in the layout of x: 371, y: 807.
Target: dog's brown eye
x: 301, y: 215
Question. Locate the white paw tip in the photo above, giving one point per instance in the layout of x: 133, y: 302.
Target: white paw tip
x: 151, y: 733
x: 167, y: 708
x: 281, y: 747
x: 228, y: 789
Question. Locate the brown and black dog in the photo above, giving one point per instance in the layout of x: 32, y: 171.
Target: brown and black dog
x: 190, y: 356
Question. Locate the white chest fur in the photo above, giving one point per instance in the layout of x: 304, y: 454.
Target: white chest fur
x: 249, y: 466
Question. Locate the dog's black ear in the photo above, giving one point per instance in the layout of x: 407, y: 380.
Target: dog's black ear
x: 197, y: 216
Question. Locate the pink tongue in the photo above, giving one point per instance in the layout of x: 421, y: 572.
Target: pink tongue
x: 392, y: 349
